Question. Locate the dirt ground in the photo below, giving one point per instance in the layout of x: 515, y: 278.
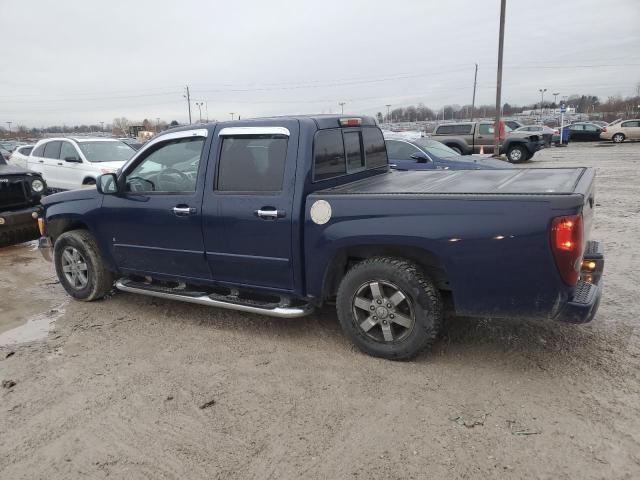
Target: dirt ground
x: 135, y: 387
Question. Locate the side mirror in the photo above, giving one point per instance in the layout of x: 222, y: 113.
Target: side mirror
x: 420, y: 157
x: 72, y: 160
x: 107, y: 184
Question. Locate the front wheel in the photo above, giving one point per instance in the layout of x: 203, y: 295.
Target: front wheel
x: 80, y: 267
x: 389, y: 308
x: 517, y: 154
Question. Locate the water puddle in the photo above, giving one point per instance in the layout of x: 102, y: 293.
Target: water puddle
x: 37, y: 328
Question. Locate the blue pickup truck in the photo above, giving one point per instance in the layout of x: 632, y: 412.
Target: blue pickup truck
x: 281, y: 215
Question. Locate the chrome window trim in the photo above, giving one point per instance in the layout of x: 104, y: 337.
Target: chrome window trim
x: 234, y: 131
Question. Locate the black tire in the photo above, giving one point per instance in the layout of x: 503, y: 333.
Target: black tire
x: 89, y: 181
x: 421, y: 304
x: 455, y: 148
x: 517, y: 154
x: 99, y: 280
x: 618, y: 138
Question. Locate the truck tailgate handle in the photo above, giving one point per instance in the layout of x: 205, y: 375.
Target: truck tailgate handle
x: 183, y: 210
x: 269, y: 213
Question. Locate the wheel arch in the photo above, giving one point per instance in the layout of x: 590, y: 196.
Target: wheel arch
x: 346, y: 257
x: 89, y: 180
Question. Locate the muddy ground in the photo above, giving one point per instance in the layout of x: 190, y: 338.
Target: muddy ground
x: 135, y: 387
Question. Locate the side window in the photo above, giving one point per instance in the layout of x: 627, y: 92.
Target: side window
x: 252, y: 163
x: 171, y: 167
x: 52, y: 150
x: 374, y: 148
x: 577, y: 127
x: 590, y: 128
x: 39, y: 150
x: 486, y: 129
x: 355, y: 160
x: 400, y: 150
x: 25, y: 150
x: 68, y: 150
x: 328, y: 155
x: 462, y: 129
x: 630, y: 124
x: 444, y: 130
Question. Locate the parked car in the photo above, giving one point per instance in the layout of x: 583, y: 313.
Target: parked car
x: 599, y: 123
x: 513, y: 124
x: 4, y: 154
x: 68, y: 163
x: 279, y: 216
x: 624, y: 130
x: 20, y: 192
x: 467, y: 138
x: 428, y: 154
x: 584, y: 132
x: 132, y: 142
x: 20, y: 155
x: 550, y: 135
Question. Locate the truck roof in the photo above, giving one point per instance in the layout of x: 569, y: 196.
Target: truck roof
x: 322, y: 121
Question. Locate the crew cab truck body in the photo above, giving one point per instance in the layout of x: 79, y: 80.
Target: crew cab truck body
x: 468, y: 138
x: 280, y: 215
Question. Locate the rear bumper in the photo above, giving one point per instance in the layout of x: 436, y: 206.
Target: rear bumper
x: 582, y: 307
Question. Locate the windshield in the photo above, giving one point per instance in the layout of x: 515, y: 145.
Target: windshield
x: 438, y: 149
x: 106, y: 151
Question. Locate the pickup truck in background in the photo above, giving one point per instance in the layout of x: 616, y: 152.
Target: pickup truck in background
x: 68, y: 163
x: 279, y: 216
x: 467, y: 138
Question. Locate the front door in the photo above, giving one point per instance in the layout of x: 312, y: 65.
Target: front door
x: 248, y: 205
x: 631, y: 129
x: 154, y: 226
x: 485, y: 138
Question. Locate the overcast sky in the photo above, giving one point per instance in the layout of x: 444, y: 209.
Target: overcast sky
x: 88, y: 61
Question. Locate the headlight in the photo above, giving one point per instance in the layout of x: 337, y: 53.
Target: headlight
x: 37, y: 186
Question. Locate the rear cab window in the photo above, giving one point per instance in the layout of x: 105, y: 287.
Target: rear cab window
x: 463, y: 129
x: 342, y: 151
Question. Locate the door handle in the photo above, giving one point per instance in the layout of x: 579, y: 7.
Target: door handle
x: 183, y: 211
x: 59, y: 163
x: 269, y: 213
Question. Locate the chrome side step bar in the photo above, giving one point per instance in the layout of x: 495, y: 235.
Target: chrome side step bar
x: 276, y: 311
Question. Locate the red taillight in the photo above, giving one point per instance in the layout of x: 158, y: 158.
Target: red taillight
x: 567, y: 243
x: 604, y: 129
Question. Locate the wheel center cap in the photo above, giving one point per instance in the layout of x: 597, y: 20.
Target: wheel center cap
x: 382, y: 312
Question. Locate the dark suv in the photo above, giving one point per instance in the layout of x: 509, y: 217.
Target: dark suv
x: 20, y: 192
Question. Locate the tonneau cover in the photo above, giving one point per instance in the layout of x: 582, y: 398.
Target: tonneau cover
x: 526, y: 181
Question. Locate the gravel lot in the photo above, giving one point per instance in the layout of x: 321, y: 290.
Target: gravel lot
x: 135, y: 387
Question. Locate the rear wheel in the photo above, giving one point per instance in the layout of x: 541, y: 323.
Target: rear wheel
x: 517, y: 154
x: 618, y: 138
x: 389, y: 308
x: 80, y: 267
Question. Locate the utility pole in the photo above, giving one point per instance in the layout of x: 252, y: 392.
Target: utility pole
x: 341, y: 107
x: 232, y: 114
x: 555, y: 98
x: 188, y: 97
x: 496, y: 134
x: 200, y: 105
x: 473, y: 102
x: 206, y: 110
x: 102, y: 127
x: 9, y: 123
x: 541, y: 90
x: 388, y: 112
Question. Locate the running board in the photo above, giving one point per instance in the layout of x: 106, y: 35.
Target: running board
x: 201, y: 298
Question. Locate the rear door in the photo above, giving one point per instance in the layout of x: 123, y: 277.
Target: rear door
x: 577, y: 132
x: 247, y: 210
x: 49, y: 162
x: 631, y: 129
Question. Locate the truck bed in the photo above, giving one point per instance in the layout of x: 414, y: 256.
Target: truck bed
x: 534, y: 182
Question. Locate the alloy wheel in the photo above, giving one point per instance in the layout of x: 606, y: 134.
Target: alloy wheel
x: 75, y: 268
x: 383, y: 311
